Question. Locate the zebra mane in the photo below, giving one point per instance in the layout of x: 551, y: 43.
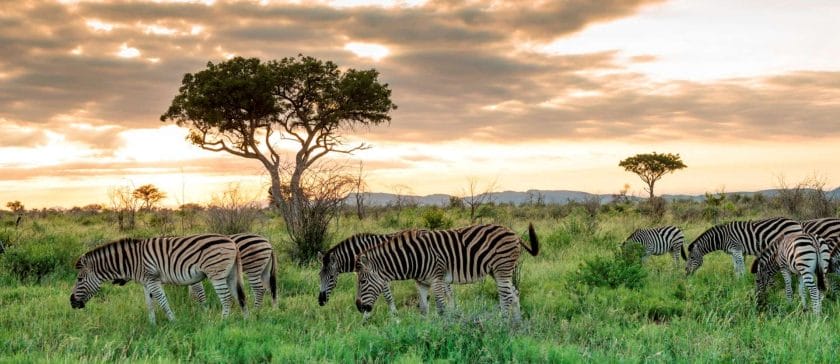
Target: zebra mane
x: 328, y: 254
x: 103, y: 247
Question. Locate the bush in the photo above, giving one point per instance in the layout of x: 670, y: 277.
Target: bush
x: 624, y: 270
x: 435, y: 219
x: 33, y: 260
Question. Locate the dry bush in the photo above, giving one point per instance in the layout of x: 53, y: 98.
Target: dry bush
x: 232, y: 212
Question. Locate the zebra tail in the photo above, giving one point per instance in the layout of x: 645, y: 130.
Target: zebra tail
x: 682, y: 252
x: 820, y: 279
x: 239, y: 290
x: 272, y: 279
x: 532, y: 237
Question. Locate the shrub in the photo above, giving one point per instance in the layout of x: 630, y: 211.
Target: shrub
x: 33, y: 260
x: 434, y: 219
x: 624, y: 270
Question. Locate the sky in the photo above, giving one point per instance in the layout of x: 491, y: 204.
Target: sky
x: 515, y: 94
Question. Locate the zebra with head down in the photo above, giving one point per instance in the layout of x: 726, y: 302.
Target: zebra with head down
x: 154, y: 262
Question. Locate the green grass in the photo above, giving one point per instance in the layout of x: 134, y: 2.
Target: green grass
x: 709, y: 317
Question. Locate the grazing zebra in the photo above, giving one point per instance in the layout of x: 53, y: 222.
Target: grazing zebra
x: 259, y: 265
x: 444, y: 256
x: 341, y: 258
x: 658, y: 241
x: 795, y: 253
x: 738, y: 238
x: 156, y: 261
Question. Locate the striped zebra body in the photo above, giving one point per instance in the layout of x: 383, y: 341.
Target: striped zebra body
x: 797, y: 254
x: 341, y: 259
x: 660, y: 240
x: 154, y: 262
x: 444, y: 256
x: 259, y: 264
x: 829, y: 229
x: 738, y: 238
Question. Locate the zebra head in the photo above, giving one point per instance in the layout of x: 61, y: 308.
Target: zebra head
x: 369, y: 284
x: 87, y: 284
x: 695, y: 258
x: 763, y: 276
x: 329, y: 275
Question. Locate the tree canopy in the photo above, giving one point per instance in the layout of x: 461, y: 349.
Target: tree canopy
x: 149, y: 194
x: 652, y: 167
x: 244, y: 106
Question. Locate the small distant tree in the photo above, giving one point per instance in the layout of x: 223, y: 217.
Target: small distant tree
x: 475, y: 196
x: 652, y: 167
x: 124, y: 206
x: 15, y: 206
x: 149, y: 194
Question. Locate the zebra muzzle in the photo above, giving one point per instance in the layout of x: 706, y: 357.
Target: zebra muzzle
x: 76, y: 303
x: 322, y: 298
x: 362, y: 307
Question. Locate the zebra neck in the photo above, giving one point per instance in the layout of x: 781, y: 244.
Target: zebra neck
x: 123, y: 259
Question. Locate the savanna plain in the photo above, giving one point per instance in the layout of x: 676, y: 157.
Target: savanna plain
x: 582, y: 298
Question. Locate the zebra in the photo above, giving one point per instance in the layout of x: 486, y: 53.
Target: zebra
x: 658, y: 241
x: 738, y: 238
x: 799, y: 254
x: 259, y: 265
x: 444, y: 256
x: 341, y: 258
x: 827, y: 228
x: 164, y: 260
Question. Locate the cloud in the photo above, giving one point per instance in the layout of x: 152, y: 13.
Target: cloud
x: 457, y: 69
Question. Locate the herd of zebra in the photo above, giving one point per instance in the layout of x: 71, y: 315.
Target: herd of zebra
x: 435, y: 259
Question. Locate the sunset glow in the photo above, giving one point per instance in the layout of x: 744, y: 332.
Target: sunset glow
x: 532, y: 96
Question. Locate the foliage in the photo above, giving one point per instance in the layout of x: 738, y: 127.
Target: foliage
x: 15, y: 206
x: 34, y: 260
x: 625, y: 270
x: 232, y: 212
x: 434, y: 218
x: 652, y: 167
x: 243, y: 106
x: 149, y: 194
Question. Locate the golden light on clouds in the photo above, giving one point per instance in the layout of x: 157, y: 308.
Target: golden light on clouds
x: 544, y: 94
x: 373, y: 51
x: 128, y: 52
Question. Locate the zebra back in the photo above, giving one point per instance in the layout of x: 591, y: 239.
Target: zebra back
x: 344, y: 253
x: 658, y: 240
x: 753, y: 236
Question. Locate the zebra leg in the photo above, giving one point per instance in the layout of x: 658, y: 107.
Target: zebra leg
x: 788, y: 286
x: 423, y: 294
x: 508, y: 297
x: 259, y: 290
x: 802, y: 292
x: 809, y: 282
x: 150, y: 304
x: 266, y: 277
x: 439, y: 289
x: 156, y: 290
x: 197, y: 293
x: 389, y: 297
x: 738, y: 261
x: 223, y: 291
x: 450, y: 296
x: 676, y: 255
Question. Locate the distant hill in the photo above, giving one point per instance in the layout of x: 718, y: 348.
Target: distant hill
x: 548, y: 196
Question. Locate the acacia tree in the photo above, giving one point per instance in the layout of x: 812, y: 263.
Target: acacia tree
x: 243, y: 106
x: 149, y: 194
x: 652, y: 167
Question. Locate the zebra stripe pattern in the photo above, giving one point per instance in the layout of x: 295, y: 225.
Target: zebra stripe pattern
x: 659, y: 240
x: 259, y: 264
x: 444, y: 256
x: 829, y: 229
x: 341, y: 259
x: 154, y: 262
x: 797, y: 254
x: 738, y: 238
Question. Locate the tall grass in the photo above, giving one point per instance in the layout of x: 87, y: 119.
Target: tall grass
x: 709, y: 317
